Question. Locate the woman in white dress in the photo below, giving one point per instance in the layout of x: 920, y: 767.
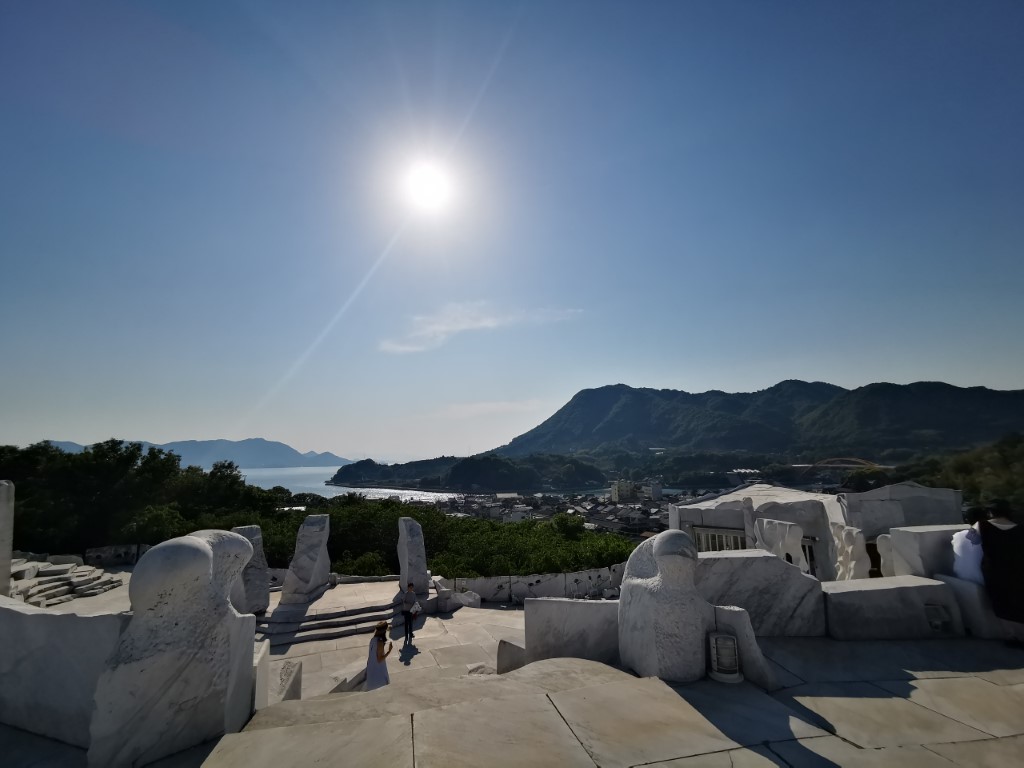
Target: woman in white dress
x: 376, y: 659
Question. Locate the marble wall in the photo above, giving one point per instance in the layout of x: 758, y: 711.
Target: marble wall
x: 780, y: 600
x: 49, y: 666
x: 495, y: 589
x: 583, y: 629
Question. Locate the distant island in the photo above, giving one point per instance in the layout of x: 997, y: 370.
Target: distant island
x: 254, y: 452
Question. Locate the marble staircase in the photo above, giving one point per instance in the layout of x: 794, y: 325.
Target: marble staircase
x: 289, y: 626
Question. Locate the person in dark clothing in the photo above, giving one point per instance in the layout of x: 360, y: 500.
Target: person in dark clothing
x: 1002, y: 544
x: 408, y: 602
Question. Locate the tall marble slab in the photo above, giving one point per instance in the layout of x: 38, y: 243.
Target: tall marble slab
x: 251, y: 592
x: 309, y: 571
x: 412, y: 556
x: 6, y: 535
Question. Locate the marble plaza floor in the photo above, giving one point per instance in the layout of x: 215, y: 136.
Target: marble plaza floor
x: 869, y: 703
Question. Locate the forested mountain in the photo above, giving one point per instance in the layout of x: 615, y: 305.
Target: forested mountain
x: 251, y: 453
x: 788, y: 418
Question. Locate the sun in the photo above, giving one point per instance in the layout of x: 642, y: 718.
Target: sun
x: 428, y: 187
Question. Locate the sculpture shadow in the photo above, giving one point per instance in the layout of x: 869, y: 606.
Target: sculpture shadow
x: 753, y: 719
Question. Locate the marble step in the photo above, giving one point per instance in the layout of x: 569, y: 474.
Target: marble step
x: 318, y: 633
x: 285, y: 615
x: 276, y: 628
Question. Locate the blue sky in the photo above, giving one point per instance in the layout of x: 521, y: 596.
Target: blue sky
x: 202, y: 233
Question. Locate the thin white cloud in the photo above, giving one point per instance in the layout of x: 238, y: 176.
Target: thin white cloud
x: 488, y: 408
x: 431, y: 331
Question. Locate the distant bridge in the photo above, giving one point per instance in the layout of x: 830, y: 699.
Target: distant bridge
x: 840, y: 463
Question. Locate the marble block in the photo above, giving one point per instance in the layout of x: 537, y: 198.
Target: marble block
x: 412, y: 556
x: 779, y: 599
x: 310, y: 569
x: 251, y: 592
x: 6, y: 534
x: 511, y: 656
x: 891, y: 608
x: 182, y: 670
x: 923, y: 550
x: 663, y: 621
x: 583, y: 629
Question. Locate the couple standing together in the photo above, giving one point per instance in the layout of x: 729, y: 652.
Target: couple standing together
x: 376, y: 660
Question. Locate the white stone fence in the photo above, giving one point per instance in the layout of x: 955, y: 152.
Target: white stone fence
x: 578, y: 584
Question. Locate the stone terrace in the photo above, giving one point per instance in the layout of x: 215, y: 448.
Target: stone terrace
x: 899, y: 703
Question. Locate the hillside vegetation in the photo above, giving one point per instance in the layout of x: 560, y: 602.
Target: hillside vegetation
x: 118, y: 493
x: 792, y: 418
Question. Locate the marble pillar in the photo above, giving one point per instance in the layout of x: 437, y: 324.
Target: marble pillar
x: 309, y: 571
x: 6, y: 534
x: 412, y: 556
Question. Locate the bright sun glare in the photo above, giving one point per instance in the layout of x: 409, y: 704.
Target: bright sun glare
x: 428, y: 187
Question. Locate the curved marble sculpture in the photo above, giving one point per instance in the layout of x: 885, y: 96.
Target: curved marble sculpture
x: 852, y: 561
x: 310, y: 569
x: 663, y: 621
x: 182, y: 671
x: 782, y: 539
x: 412, y: 556
x: 251, y: 592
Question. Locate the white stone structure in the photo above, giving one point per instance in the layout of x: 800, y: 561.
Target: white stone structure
x: 918, y: 505
x: 923, y: 550
x: 884, y: 545
x: 182, y: 672
x: 852, y: 561
x: 894, y: 608
x: 412, y: 556
x: 310, y: 569
x: 663, y: 621
x: 576, y: 584
x: 251, y: 592
x: 6, y: 534
x: 784, y: 540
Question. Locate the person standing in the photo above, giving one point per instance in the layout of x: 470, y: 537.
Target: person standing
x: 376, y: 660
x: 408, y: 603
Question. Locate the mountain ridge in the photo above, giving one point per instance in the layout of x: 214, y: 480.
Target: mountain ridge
x: 252, y: 453
x: 789, y: 417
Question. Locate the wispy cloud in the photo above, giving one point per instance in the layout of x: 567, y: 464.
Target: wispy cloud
x: 431, y: 331
x: 488, y: 408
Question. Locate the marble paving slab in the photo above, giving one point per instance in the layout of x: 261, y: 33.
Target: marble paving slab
x: 830, y: 751
x: 507, y: 733
x: 745, y: 713
x: 870, y: 716
x: 460, y: 654
x: 993, y: 709
x: 384, y: 741
x: 994, y: 753
x: 638, y: 721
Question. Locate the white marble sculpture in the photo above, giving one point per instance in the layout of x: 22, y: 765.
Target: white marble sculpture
x: 182, y: 671
x: 884, y: 545
x: 310, y: 569
x: 251, y: 592
x: 6, y: 534
x: 782, y: 539
x: 852, y: 561
x: 664, y: 622
x: 412, y: 556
